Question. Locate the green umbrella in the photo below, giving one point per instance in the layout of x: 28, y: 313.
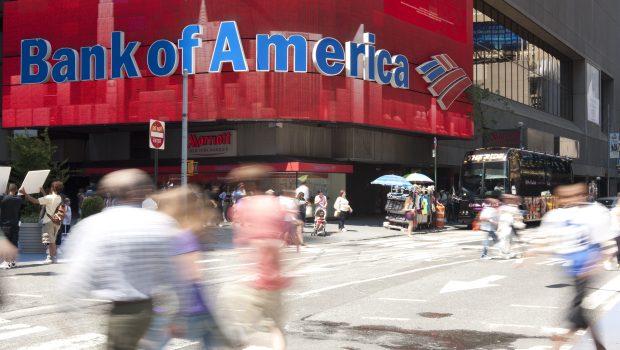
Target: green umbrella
x: 303, y: 178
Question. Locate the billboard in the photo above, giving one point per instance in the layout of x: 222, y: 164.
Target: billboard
x: 430, y: 29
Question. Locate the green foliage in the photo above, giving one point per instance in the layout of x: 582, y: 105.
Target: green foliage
x: 35, y: 153
x: 31, y: 213
x: 91, y: 206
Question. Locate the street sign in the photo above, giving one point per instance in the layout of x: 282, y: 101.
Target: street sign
x: 157, y: 134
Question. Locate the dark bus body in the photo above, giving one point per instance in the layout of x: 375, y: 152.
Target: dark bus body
x: 495, y: 171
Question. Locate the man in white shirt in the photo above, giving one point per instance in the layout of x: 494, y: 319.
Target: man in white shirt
x: 124, y: 254
x: 52, y: 203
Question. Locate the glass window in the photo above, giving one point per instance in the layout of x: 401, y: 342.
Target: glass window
x: 513, y: 63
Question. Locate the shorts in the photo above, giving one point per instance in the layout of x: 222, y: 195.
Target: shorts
x: 243, y: 311
x: 49, y: 232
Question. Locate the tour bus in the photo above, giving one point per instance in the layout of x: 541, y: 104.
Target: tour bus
x: 495, y: 171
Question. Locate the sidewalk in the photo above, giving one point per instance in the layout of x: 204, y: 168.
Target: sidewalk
x: 359, y: 229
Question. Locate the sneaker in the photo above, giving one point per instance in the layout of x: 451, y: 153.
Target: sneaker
x: 343, y: 230
x: 48, y: 260
x: 54, y: 260
x: 12, y: 265
x: 609, y: 266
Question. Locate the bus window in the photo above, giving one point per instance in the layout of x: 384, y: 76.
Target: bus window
x: 472, y: 179
x: 484, y: 179
x: 494, y: 178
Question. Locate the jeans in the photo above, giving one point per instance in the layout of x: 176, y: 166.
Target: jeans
x: 485, y: 243
x: 341, y: 219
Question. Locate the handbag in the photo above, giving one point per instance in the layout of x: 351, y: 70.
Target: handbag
x: 409, y: 215
x: 337, y: 213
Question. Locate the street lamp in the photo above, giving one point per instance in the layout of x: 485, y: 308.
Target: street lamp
x: 521, y: 127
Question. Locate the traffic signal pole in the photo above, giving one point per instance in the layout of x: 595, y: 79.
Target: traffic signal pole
x: 184, y: 132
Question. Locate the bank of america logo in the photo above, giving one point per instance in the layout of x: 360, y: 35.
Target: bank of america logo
x: 447, y: 80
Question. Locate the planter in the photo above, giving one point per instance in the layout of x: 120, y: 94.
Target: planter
x: 30, y: 238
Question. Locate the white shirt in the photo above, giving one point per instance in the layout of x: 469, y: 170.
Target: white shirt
x: 342, y: 204
x: 305, y: 190
x: 122, y: 254
x: 573, y: 229
x: 320, y: 202
x: 488, y: 219
x: 51, y: 202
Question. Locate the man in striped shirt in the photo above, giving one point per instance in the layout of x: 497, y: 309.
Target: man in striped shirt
x: 123, y: 254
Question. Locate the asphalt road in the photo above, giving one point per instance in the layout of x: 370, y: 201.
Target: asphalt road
x: 354, y: 291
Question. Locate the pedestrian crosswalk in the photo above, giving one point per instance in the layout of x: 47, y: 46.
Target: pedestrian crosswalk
x: 37, y: 337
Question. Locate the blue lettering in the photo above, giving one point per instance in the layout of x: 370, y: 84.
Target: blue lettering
x: 228, y: 48
x: 369, y: 57
x: 187, y: 43
x: 163, y: 58
x: 400, y: 74
x: 281, y: 46
x: 66, y: 67
x: 383, y: 57
x: 93, y: 56
x: 123, y: 56
x: 328, y: 56
x: 34, y: 53
x: 353, y: 51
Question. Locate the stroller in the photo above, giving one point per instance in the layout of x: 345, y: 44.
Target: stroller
x: 319, y: 223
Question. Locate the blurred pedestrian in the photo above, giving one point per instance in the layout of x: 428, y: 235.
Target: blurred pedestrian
x: 342, y: 210
x: 610, y: 264
x: 302, y: 203
x: 509, y: 221
x: 410, y: 214
x: 225, y: 198
x: 190, y: 210
x: 291, y: 235
x: 489, y: 217
x: 66, y: 222
x: 246, y: 308
x: 303, y: 188
x: 8, y: 252
x: 575, y: 232
x: 53, y: 214
x: 11, y: 206
x: 123, y: 254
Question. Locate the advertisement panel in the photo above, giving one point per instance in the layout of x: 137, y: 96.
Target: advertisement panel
x: 593, y: 84
x: 614, y: 142
x: 430, y: 30
x: 212, y: 144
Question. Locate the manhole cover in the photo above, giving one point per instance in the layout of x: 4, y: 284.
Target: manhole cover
x: 434, y: 314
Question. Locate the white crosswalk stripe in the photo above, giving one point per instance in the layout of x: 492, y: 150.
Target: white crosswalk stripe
x: 20, y: 331
x: 77, y: 342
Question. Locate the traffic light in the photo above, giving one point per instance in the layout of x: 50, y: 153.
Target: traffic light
x: 192, y: 167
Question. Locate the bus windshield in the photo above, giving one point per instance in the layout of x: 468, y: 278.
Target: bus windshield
x: 484, y: 179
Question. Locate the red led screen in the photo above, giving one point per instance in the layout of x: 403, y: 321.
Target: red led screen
x: 418, y: 31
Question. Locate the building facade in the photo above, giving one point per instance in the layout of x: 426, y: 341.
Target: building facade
x: 536, y: 69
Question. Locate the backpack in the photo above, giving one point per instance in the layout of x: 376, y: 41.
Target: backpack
x: 59, y: 214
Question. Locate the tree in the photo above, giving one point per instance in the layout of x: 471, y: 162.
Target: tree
x: 35, y: 153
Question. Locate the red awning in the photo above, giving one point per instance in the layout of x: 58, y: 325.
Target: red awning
x: 212, y: 171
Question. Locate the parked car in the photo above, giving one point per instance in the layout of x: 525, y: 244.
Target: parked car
x: 609, y: 202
